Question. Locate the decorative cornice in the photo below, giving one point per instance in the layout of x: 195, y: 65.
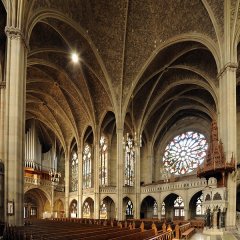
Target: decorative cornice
x: 2, y: 84
x: 16, y: 33
x: 229, y: 65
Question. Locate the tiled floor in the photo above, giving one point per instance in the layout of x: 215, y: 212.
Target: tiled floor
x: 200, y: 236
x: 226, y: 236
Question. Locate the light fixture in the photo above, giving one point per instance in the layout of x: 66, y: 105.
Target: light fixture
x: 75, y: 57
x: 54, y: 176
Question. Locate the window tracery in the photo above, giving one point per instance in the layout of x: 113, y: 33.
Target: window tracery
x: 74, y: 172
x: 103, y: 172
x: 87, y: 167
x: 155, y: 209
x: 129, y: 209
x: 163, y: 209
x: 86, y: 210
x: 199, y: 208
x: 103, y: 211
x: 129, y: 162
x: 185, y: 152
x: 179, y: 207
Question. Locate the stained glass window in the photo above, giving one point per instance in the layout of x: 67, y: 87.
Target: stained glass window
x: 163, y: 209
x: 185, y: 152
x: 179, y: 207
x: 87, y: 167
x: 129, y: 208
x: 86, y: 210
x: 155, y: 209
x: 103, y: 211
x: 74, y: 172
x: 199, y: 208
x: 103, y: 171
x: 129, y: 162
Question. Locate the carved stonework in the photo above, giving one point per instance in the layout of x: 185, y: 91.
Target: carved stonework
x: 16, y: 33
x: 13, y: 32
x: 215, y: 163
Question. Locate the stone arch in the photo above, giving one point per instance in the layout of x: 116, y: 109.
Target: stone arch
x: 170, y: 212
x: 58, y: 208
x: 73, y: 208
x: 192, y: 206
x: 182, y: 38
x: 147, y: 209
x: 238, y: 200
x: 88, y: 208
x: 128, y: 208
x: 107, y: 208
x: 36, y: 204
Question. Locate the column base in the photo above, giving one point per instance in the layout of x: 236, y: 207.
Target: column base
x: 231, y: 228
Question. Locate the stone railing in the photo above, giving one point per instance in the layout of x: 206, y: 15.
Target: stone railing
x: 108, y: 189
x: 201, y: 183
x: 31, y: 180
x: 42, y: 182
x: 127, y: 189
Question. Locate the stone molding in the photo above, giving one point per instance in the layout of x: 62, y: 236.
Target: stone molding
x: 230, y: 65
x: 16, y: 33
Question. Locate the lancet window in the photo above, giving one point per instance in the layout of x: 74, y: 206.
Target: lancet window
x: 87, y: 167
x: 103, y: 171
x: 74, y: 172
x: 199, y: 208
x: 129, y: 163
x: 178, y: 207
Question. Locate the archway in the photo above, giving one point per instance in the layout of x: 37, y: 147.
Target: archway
x: 195, y: 206
x: 107, y: 209
x: 238, y: 204
x: 173, y: 207
x: 88, y: 208
x: 149, y: 208
x: 58, y: 209
x: 128, y: 208
x: 73, y: 208
x: 36, y: 204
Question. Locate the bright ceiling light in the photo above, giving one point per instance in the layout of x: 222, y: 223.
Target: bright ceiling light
x: 75, y: 58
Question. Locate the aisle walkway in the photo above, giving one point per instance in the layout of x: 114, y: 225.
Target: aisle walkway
x: 227, y: 236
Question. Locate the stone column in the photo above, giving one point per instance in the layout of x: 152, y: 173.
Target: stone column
x: 15, y: 122
x: 96, y: 176
x: 120, y: 169
x: 67, y: 159
x: 2, y: 115
x: 52, y: 199
x: 80, y: 189
x: 228, y: 131
x: 2, y: 141
x: 137, y: 182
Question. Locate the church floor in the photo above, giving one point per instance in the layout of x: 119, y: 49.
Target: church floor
x: 227, y: 236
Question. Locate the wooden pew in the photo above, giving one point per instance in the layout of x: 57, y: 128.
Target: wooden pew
x: 112, y: 234
x: 137, y: 236
x: 184, y: 231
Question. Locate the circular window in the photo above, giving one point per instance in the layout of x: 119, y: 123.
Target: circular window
x: 185, y: 152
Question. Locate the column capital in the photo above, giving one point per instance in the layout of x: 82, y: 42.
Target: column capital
x: 228, y: 66
x: 16, y: 33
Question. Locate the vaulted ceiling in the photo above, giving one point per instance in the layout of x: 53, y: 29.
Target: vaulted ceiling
x: 150, y: 62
